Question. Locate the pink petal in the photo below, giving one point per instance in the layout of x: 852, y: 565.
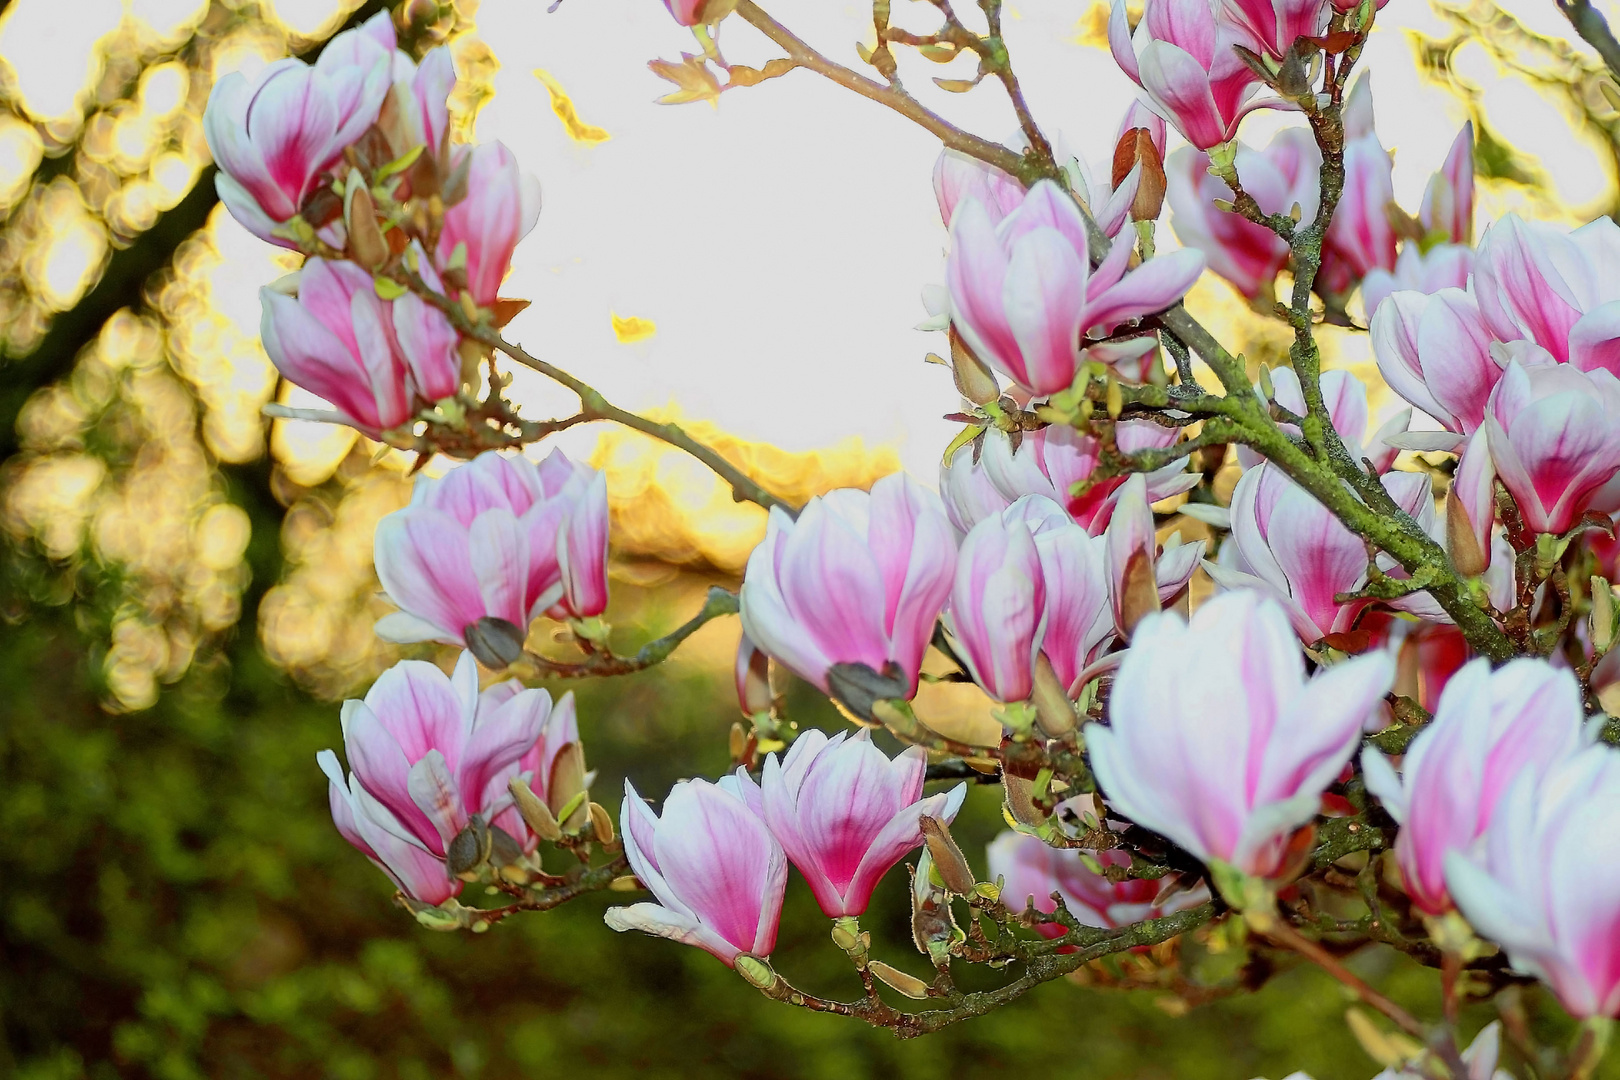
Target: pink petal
x: 424, y: 560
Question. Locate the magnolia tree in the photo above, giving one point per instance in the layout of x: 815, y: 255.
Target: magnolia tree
x: 1385, y: 725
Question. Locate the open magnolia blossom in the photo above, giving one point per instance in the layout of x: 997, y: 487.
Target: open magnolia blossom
x: 1546, y: 828
x: 499, y: 538
x: 1181, y: 55
x: 716, y: 869
x: 1231, y: 758
x: 432, y: 756
x: 845, y: 813
x: 857, y: 578
x: 1489, y: 727
x: 1025, y: 297
x: 1154, y: 736
x: 274, y: 137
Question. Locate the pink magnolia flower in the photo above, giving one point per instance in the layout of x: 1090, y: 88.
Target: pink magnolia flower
x: 1427, y: 654
x: 996, y: 605
x: 1444, y: 266
x: 1435, y: 351
x: 1546, y: 885
x: 1301, y: 556
x: 1560, y: 290
x: 539, y: 764
x: 1554, y: 436
x: 1471, y: 506
x: 1077, y: 620
x: 1490, y: 727
x: 418, y: 109
x: 1033, y: 872
x: 482, y: 230
x: 1360, y: 237
x: 1182, y: 57
x: 1274, y: 25
x: 959, y: 177
x: 1231, y: 755
x: 1131, y: 548
x: 426, y: 339
x: 368, y: 357
x: 1245, y: 254
x: 845, y: 813
x: 378, y: 835
x: 273, y: 137
x: 1049, y: 462
x: 500, y: 537
x: 716, y: 870
x: 1024, y: 296
x: 430, y: 750
x: 859, y: 578
x: 1448, y: 201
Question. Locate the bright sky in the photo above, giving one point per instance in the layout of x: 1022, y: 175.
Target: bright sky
x: 780, y: 242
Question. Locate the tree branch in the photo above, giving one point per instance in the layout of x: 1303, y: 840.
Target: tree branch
x: 1593, y: 28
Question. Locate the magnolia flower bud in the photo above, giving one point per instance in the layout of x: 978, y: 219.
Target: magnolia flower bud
x: 948, y: 859
x: 536, y: 814
x: 1137, y: 148
x: 974, y: 379
x: 753, y: 677
x: 1054, y: 712
x: 1601, y: 623
x: 909, y: 985
x: 366, y: 244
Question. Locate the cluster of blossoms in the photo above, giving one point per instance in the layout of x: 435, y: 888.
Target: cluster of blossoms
x: 1432, y: 640
x: 350, y: 159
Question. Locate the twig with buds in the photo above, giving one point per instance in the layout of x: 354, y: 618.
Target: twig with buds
x: 599, y: 662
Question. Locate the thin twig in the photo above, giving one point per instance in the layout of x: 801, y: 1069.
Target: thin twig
x: 719, y: 602
x: 596, y: 407
x: 1286, y: 936
x: 953, y: 137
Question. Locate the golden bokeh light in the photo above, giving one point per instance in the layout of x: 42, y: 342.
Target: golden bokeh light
x: 630, y: 329
x: 21, y: 150
x: 70, y: 258
x: 563, y: 105
x: 668, y: 506
x: 51, y: 54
